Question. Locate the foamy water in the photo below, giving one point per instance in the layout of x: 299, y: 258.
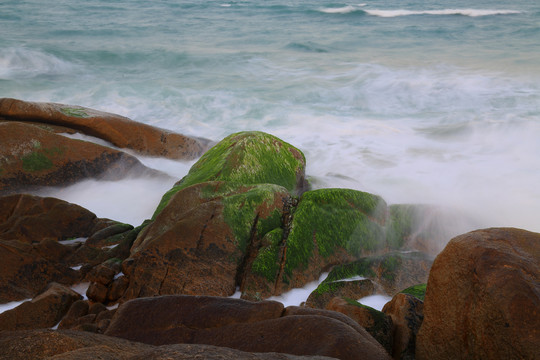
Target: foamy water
x: 425, y: 102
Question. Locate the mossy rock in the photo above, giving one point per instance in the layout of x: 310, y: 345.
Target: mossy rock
x: 328, y: 221
x: 393, y: 271
x: 247, y: 158
x: 418, y: 291
x: 327, y: 290
x: 267, y: 261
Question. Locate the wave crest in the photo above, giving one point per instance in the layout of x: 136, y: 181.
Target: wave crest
x: 19, y: 62
x: 463, y: 12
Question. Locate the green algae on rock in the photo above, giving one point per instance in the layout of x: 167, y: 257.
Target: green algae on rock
x: 249, y: 157
x: 418, y: 291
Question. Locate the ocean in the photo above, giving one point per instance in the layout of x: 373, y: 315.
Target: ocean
x: 433, y: 102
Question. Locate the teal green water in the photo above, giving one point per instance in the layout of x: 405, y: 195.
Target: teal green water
x: 417, y: 101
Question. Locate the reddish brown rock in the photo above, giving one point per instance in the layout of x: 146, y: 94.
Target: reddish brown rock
x: 407, y: 313
x: 24, y: 271
x: 483, y: 298
x: 29, y: 218
x: 118, y: 130
x: 32, y: 157
x: 77, y: 310
x: 202, y: 239
x: 375, y: 322
x: 66, y: 344
x: 44, y: 311
x: 239, y: 324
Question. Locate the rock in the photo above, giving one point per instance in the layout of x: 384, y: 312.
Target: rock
x: 407, y: 313
x: 200, y: 241
x: 44, y: 311
x: 352, y: 289
x: 77, y: 310
x: 24, y: 271
x: 483, y: 298
x: 31, y: 157
x: 30, y: 219
x: 247, y: 158
x: 238, y: 324
x: 375, y: 322
x: 97, y: 292
x: 328, y: 227
x: 105, y: 236
x: 118, y: 130
x: 66, y: 344
x: 392, y: 271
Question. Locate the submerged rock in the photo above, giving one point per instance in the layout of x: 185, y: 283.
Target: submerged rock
x: 484, y: 287
x: 118, y: 130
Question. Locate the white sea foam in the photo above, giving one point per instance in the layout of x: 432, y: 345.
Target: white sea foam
x: 464, y: 12
x: 19, y: 62
x: 339, y: 10
x: 297, y: 296
x: 375, y: 301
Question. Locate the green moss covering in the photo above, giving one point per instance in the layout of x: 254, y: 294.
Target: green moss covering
x: 245, y: 158
x: 267, y: 261
x: 36, y: 161
x: 77, y: 112
x: 418, y: 291
x: 332, y: 219
x: 400, y: 225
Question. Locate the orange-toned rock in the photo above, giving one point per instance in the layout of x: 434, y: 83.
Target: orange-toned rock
x: 32, y: 157
x: 118, y: 130
x: 44, y: 311
x: 483, y: 298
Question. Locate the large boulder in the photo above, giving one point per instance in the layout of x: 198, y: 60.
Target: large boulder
x: 199, y: 243
x: 44, y: 311
x: 118, y: 130
x: 239, y: 324
x: 483, y: 298
x: 247, y: 158
x: 31, y: 157
x: 66, y: 344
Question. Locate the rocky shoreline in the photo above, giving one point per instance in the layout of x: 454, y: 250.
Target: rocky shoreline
x: 243, y: 219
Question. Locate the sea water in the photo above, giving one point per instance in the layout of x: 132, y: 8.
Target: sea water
x: 433, y: 102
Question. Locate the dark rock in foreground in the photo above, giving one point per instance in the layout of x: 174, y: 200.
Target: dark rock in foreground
x: 242, y: 325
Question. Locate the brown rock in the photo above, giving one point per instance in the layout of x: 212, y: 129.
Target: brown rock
x: 24, y: 272
x: 194, y: 248
x: 29, y: 218
x: 66, y: 344
x: 77, y: 310
x: 238, y: 324
x: 97, y: 292
x: 33, y: 157
x: 407, y: 313
x: 44, y: 311
x: 117, y: 289
x: 118, y: 130
x: 483, y: 298
x: 375, y: 322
